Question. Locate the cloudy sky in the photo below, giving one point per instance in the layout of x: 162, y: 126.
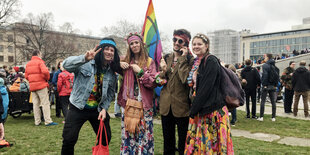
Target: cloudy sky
x: 260, y: 16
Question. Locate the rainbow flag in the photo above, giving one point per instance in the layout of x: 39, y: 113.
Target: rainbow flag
x: 150, y: 34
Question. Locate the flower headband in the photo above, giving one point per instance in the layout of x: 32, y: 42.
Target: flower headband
x: 202, y: 37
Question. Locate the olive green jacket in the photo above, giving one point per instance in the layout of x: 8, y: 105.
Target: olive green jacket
x: 175, y: 93
x: 286, y: 78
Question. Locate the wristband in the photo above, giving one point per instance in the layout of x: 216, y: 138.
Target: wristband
x: 140, y: 73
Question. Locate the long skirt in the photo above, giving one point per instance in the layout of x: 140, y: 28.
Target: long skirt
x: 141, y: 143
x: 209, y: 134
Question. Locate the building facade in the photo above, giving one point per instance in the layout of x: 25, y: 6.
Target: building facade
x: 278, y: 43
x: 225, y: 44
x: 6, y: 46
x: 16, y: 45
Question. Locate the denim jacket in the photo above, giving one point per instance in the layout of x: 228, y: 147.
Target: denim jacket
x: 84, y: 80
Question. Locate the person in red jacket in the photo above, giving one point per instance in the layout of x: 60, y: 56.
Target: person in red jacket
x: 37, y: 74
x: 64, y: 88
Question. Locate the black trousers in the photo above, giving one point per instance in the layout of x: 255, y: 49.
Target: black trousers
x: 64, y: 102
x: 58, y: 105
x: 251, y: 94
x: 168, y: 124
x: 288, y: 100
x: 259, y: 93
x: 74, y: 122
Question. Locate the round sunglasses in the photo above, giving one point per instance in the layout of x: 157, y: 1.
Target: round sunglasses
x: 180, y: 41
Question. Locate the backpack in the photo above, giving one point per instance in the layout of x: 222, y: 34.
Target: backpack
x: 68, y: 82
x: 274, y: 77
x: 230, y: 87
x: 24, y: 87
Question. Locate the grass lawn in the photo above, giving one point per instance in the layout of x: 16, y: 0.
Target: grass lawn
x: 31, y: 139
x: 283, y: 126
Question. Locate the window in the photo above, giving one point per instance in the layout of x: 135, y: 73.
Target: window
x: 304, y: 39
x: 11, y: 59
x: 27, y: 41
x: 274, y: 50
x: 270, y: 43
x: 293, y: 40
x: 282, y: 42
x: 278, y: 49
x: 289, y: 41
x: 10, y: 38
x: 304, y: 46
x: 269, y: 50
x: 255, y: 51
x: 251, y: 51
x: 1, y: 58
x: 1, y: 48
x: 255, y: 44
x: 10, y: 49
x: 298, y: 40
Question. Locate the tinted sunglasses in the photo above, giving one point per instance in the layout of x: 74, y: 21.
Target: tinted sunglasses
x: 180, y: 41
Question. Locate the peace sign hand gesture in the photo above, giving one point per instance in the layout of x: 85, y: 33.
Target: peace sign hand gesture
x: 89, y: 55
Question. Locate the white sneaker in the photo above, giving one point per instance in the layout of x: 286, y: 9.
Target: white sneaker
x: 260, y: 119
x: 273, y: 119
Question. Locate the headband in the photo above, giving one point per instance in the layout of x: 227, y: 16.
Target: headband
x: 202, y: 37
x: 108, y: 42
x: 133, y: 37
x: 184, y: 37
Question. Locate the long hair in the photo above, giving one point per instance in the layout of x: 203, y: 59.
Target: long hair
x: 99, y: 57
x: 143, y: 55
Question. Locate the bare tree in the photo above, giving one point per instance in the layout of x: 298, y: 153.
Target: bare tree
x: 66, y: 28
x: 8, y: 9
x: 36, y: 32
x: 122, y: 29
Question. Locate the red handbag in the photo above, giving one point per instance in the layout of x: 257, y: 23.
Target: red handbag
x: 101, y: 149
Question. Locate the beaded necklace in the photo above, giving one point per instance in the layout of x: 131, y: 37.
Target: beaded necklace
x: 191, y: 73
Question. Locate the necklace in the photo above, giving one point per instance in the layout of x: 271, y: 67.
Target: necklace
x: 194, y: 68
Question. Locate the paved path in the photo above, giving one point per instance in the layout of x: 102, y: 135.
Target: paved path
x: 293, y: 141
x: 280, y: 110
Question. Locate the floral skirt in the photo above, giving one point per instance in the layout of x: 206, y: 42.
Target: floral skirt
x: 209, y: 134
x: 141, y: 143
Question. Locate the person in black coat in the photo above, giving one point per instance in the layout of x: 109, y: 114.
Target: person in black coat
x: 268, y: 87
x: 253, y: 81
x: 301, y: 86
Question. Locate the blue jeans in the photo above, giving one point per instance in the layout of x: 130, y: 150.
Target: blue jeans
x: 271, y: 90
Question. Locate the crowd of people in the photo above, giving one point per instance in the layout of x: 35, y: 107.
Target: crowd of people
x: 258, y: 84
x: 191, y: 98
x: 260, y: 60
